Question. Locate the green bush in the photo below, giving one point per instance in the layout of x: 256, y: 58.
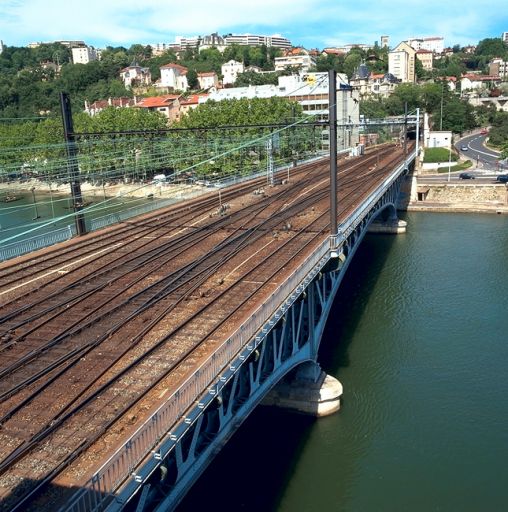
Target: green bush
x: 437, y: 155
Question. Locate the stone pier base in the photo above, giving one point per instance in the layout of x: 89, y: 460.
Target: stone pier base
x: 319, y: 396
x: 388, y: 227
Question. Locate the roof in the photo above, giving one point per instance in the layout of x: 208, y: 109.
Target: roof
x: 193, y: 99
x: 158, y: 101
x: 181, y: 69
x: 112, y: 102
x: 207, y: 73
x: 333, y: 51
x: 423, y: 51
x: 480, y: 78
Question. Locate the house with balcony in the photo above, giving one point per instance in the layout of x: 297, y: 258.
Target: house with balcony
x: 297, y: 58
x: 426, y: 57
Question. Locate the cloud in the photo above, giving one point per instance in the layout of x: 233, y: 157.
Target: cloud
x: 310, y: 22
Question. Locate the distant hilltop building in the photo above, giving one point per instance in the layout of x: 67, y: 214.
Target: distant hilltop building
x: 385, y: 41
x: 275, y: 41
x: 504, y: 37
x: 1, y: 46
x: 221, y: 42
x: 84, y: 54
x: 432, y: 44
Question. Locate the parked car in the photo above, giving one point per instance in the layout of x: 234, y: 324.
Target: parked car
x: 484, y: 131
x: 463, y: 148
x: 502, y: 178
x: 466, y: 176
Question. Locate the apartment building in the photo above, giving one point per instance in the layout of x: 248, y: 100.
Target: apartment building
x: 208, y: 79
x: 84, y: 54
x: 301, y: 61
x: 498, y: 67
x: 276, y: 40
x: 401, y: 62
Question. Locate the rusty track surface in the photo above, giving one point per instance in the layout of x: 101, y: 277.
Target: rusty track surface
x: 95, y: 333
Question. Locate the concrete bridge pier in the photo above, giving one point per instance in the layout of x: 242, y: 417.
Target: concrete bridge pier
x: 388, y: 224
x: 308, y: 390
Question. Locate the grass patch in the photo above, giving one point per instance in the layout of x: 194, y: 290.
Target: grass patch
x: 437, y: 156
x: 458, y: 167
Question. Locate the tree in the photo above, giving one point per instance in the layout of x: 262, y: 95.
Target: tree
x: 192, y: 79
x: 492, y: 47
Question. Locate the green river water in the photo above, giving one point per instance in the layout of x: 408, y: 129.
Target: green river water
x: 418, y: 336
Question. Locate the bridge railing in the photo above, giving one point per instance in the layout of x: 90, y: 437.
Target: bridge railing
x: 107, y: 479
x: 122, y: 463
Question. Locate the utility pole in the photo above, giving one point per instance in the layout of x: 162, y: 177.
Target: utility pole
x: 332, y: 121
x: 72, y: 163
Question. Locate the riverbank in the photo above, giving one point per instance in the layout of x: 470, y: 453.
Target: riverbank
x: 460, y: 197
x: 106, y: 191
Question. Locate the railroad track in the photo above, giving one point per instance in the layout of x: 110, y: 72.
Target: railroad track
x: 65, y: 382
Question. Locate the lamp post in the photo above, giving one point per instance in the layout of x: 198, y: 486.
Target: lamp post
x: 35, y: 205
x: 449, y: 164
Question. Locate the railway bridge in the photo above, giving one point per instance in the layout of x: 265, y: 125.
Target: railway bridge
x: 129, y: 356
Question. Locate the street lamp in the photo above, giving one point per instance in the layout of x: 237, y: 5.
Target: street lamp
x: 35, y: 205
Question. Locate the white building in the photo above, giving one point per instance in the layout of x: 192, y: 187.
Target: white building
x: 310, y: 90
x: 276, y: 40
x: 174, y: 77
x: 135, y: 75
x: 84, y: 54
x: 208, y: 79
x: 1, y: 46
x: 230, y: 71
x: 432, y: 44
x: 302, y: 62
x: 504, y: 37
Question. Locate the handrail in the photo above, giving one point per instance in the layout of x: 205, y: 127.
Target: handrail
x: 121, y: 464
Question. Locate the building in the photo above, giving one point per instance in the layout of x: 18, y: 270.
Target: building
x: 498, y: 67
x: 97, y: 106
x: 167, y: 104
x: 426, y: 57
x: 432, y: 44
x: 84, y: 54
x: 174, y: 76
x: 372, y: 84
x: 230, y: 71
x: 1, y: 46
x: 504, y: 37
x: 385, y: 41
x: 208, y: 79
x: 310, y: 90
x: 401, y: 62
x: 191, y: 102
x: 275, y: 41
x: 135, y: 76
x: 297, y: 58
x: 471, y: 82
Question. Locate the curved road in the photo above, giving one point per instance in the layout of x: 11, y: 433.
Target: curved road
x: 483, y: 157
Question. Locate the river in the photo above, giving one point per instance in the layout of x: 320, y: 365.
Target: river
x: 418, y: 336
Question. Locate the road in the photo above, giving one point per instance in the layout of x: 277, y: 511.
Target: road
x: 483, y: 157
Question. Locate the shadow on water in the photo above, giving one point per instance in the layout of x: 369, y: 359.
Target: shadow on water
x: 253, y: 469
x: 349, y: 305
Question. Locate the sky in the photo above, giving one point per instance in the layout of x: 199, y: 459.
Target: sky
x: 308, y: 23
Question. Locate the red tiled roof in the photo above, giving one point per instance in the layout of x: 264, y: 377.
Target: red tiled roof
x: 480, y: 78
x: 157, y: 101
x: 423, y: 51
x: 115, y: 102
x: 376, y: 75
x: 193, y: 99
x: 183, y: 70
x: 207, y: 73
